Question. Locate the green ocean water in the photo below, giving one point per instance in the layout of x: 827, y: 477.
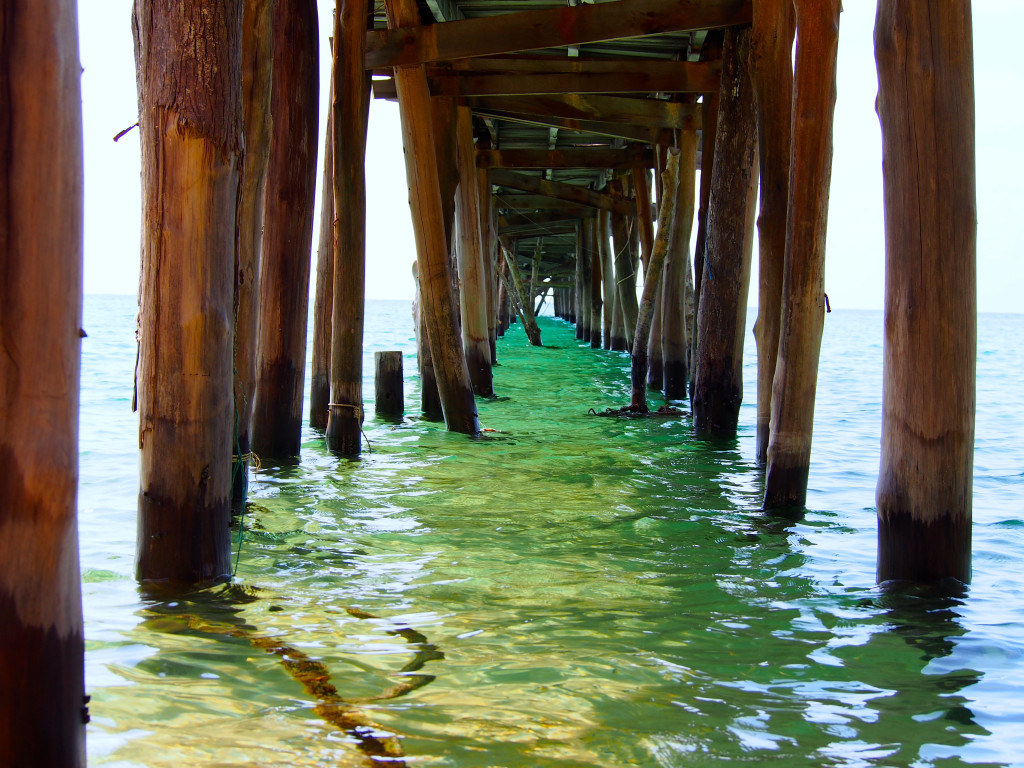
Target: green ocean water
x: 566, y: 590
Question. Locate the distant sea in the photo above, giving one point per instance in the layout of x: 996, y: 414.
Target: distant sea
x: 563, y: 591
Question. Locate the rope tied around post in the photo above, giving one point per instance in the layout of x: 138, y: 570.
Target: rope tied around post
x: 357, y: 414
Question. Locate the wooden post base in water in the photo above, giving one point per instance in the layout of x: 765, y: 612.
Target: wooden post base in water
x: 388, y: 385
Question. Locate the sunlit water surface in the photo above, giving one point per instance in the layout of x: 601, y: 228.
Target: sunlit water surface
x: 565, y: 591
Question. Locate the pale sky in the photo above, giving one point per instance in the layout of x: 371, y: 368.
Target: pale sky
x: 855, y: 254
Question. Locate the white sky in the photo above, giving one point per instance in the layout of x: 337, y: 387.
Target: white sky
x: 855, y: 254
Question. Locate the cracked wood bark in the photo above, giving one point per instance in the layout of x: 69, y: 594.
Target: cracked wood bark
x: 925, y: 59
x: 771, y: 50
x: 722, y: 311
x: 803, y: 294
x: 350, y: 105
x: 469, y: 247
x: 438, y: 306
x: 287, y: 232
x: 257, y: 65
x: 188, y: 62
x: 675, y: 330
x: 323, y: 303
x: 41, y: 644
x: 652, y: 284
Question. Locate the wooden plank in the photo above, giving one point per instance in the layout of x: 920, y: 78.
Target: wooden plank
x: 562, y: 191
x: 615, y: 159
x: 541, y: 218
x: 543, y: 202
x: 681, y: 77
x: 548, y: 28
x: 537, y: 230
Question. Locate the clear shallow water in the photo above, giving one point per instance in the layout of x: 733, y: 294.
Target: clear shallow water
x: 566, y: 591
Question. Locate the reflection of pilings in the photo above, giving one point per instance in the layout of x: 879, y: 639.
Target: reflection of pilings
x: 315, y: 678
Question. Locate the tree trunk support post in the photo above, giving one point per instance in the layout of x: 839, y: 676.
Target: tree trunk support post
x: 323, y: 302
x: 771, y: 52
x: 287, y: 232
x: 438, y: 305
x: 257, y: 68
x: 350, y: 104
x: 525, y: 302
x: 652, y: 285
x: 803, y: 281
x: 470, y: 250
x: 925, y: 482
x: 675, y: 330
x: 41, y: 199
x: 191, y: 163
x: 722, y: 310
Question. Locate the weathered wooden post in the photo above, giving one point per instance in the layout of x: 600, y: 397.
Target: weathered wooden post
x: 524, y: 301
x: 323, y: 302
x: 721, y: 315
x: 389, y: 397
x: 709, y: 129
x: 488, y: 241
x: 257, y: 66
x: 596, y: 268
x: 803, y: 281
x: 925, y: 481
x: 41, y: 640
x: 604, y: 249
x: 771, y: 54
x: 675, y: 331
x: 652, y: 284
x: 469, y: 247
x: 287, y: 232
x: 350, y: 107
x: 584, y: 275
x: 438, y: 306
x: 191, y: 162
x: 430, y: 399
x: 625, y: 276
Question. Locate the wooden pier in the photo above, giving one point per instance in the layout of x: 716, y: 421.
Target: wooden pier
x: 531, y: 129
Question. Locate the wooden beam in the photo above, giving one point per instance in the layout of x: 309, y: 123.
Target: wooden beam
x: 684, y: 77
x: 542, y: 218
x: 562, y: 191
x: 548, y: 28
x: 651, y: 113
x: 615, y: 159
x: 537, y: 230
x: 517, y: 201
x: 641, y: 133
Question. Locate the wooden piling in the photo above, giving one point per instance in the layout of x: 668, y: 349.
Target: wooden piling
x: 625, y: 277
x: 925, y: 482
x: 323, y: 302
x: 655, y: 361
x: 439, y: 308
x: 257, y: 66
x: 644, y: 216
x: 610, y: 294
x: 709, y: 129
x: 584, y: 275
x: 771, y: 53
x: 675, y: 330
x: 350, y: 104
x: 287, y: 232
x: 525, y: 302
x: 469, y: 247
x: 721, y: 314
x: 488, y: 241
x: 596, y: 269
x: 191, y: 162
x: 430, y: 399
x: 652, y: 284
x: 803, y: 282
x: 42, y: 709
x: 389, y: 383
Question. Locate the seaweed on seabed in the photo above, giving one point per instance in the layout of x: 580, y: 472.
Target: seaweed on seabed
x: 630, y: 411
